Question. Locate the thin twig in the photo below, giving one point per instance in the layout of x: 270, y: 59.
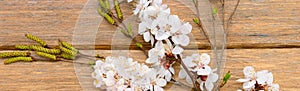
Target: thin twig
x: 200, y: 24
x: 179, y: 83
x: 195, y: 83
x: 230, y: 17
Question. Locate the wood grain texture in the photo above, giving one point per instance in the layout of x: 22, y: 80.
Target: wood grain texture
x: 256, y: 24
x: 283, y: 63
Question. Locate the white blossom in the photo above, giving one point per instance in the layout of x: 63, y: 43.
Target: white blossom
x: 129, y: 1
x: 155, y: 54
x: 199, y: 64
x: 262, y: 78
x: 209, y: 83
x: 124, y: 74
x: 141, y: 6
x: 273, y: 87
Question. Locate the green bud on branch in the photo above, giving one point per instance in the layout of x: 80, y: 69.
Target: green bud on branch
x: 139, y: 45
x: 196, y: 20
x: 225, y: 78
x: 130, y: 30
x: 215, y: 11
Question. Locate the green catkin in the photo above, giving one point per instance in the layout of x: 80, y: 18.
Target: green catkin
x: 38, y: 40
x: 46, y: 55
x: 22, y: 47
x: 106, y: 16
x: 16, y: 59
x: 67, y: 56
x: 45, y: 50
x: 68, y: 46
x: 118, y: 9
x: 102, y: 4
x: 14, y: 54
x: 107, y: 4
x: 67, y: 51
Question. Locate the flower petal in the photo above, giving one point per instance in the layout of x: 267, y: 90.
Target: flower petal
x: 202, y: 85
x: 186, y: 28
x: 168, y: 75
x: 161, y: 35
x: 209, y: 86
x: 152, y: 40
x: 147, y: 36
x: 176, y: 39
x: 205, y: 58
x: 270, y: 78
x: 159, y: 44
x: 172, y: 70
x: 177, y: 50
x: 182, y: 74
x: 213, y: 77
x: 243, y: 80
x: 248, y: 85
x: 188, y: 61
x: 157, y: 88
x: 206, y: 71
x: 189, y: 80
x: 262, y: 77
x: 248, y: 71
x: 184, y: 40
x: 142, y: 27
x: 161, y: 82
x: 129, y: 1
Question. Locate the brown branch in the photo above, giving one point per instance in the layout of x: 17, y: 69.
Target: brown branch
x: 192, y: 76
x: 230, y: 17
x: 200, y: 23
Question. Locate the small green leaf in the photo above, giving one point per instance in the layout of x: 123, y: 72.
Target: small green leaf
x: 226, y: 78
x: 196, y: 20
x: 123, y: 31
x: 215, y: 10
x: 92, y: 63
x: 139, y: 45
x: 130, y: 30
x: 195, y: 1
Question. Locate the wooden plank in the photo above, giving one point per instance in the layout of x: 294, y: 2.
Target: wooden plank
x: 257, y: 24
x: 40, y: 75
x: 264, y: 23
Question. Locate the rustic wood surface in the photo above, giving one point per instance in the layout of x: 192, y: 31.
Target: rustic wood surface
x: 273, y: 25
x: 40, y: 75
x: 256, y: 24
